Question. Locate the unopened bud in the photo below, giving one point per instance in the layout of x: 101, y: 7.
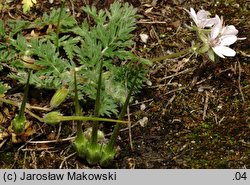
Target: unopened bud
x: 204, y: 48
x: 88, y: 133
x: 59, y: 97
x: 52, y: 118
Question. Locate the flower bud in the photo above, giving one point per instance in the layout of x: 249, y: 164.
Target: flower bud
x: 204, y: 48
x: 88, y: 133
x: 52, y: 118
x: 59, y: 96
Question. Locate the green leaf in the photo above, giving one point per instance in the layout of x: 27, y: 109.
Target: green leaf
x: 69, y: 46
x: 3, y: 88
x: 20, y: 44
x: 6, y: 55
x: 2, y: 29
x: 67, y: 21
x: 48, y: 58
x: 211, y: 54
x: 17, y: 26
x: 99, y: 17
x: 83, y: 30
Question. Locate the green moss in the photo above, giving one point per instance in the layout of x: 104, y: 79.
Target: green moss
x: 221, y: 163
x: 7, y: 159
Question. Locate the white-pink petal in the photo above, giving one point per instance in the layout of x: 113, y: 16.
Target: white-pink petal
x: 216, y: 28
x: 229, y: 30
x: 193, y: 15
x: 201, y: 18
x: 227, y: 40
x: 202, y: 14
x: 222, y: 51
x: 218, y: 51
x: 210, y: 22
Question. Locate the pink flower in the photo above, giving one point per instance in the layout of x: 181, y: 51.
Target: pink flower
x: 221, y: 37
x: 201, y: 18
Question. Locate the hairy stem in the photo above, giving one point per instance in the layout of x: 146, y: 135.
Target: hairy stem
x: 171, y: 56
x: 83, y: 118
x: 25, y: 97
x: 79, y: 132
x: 116, y: 130
x: 97, y: 106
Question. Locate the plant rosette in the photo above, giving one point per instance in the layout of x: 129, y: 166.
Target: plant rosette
x: 107, y: 155
x: 80, y: 145
x: 94, y: 153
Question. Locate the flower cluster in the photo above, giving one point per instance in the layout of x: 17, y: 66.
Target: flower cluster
x: 216, y: 37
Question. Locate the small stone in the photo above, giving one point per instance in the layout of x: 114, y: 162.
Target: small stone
x: 219, y: 107
x: 149, y: 83
x: 143, y: 121
x: 143, y: 107
x: 144, y: 37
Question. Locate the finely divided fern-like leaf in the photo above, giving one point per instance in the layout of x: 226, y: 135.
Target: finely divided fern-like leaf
x: 108, y: 40
x: 17, y: 26
x: 99, y: 17
x: 47, y: 57
x: 2, y: 29
x: 69, y: 46
x: 3, y: 89
x: 81, y: 31
x: 108, y: 105
x: 20, y: 44
x: 67, y: 21
x: 7, y: 56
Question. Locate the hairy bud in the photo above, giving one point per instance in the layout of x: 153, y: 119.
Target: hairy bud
x: 52, y: 118
x: 59, y: 97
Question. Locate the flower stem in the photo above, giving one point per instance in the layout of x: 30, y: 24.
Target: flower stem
x: 116, y: 130
x: 80, y: 142
x: 58, y: 24
x: 10, y: 102
x: 79, y: 132
x: 97, y: 106
x: 171, y: 56
x: 18, y: 123
x: 83, y: 118
x: 25, y: 96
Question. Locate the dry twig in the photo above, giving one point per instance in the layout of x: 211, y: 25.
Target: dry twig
x: 205, y: 106
x: 179, y: 73
x: 52, y: 141
x: 65, y: 159
x: 239, y: 77
x: 129, y: 130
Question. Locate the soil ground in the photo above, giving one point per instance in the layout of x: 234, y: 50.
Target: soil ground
x: 198, y: 112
